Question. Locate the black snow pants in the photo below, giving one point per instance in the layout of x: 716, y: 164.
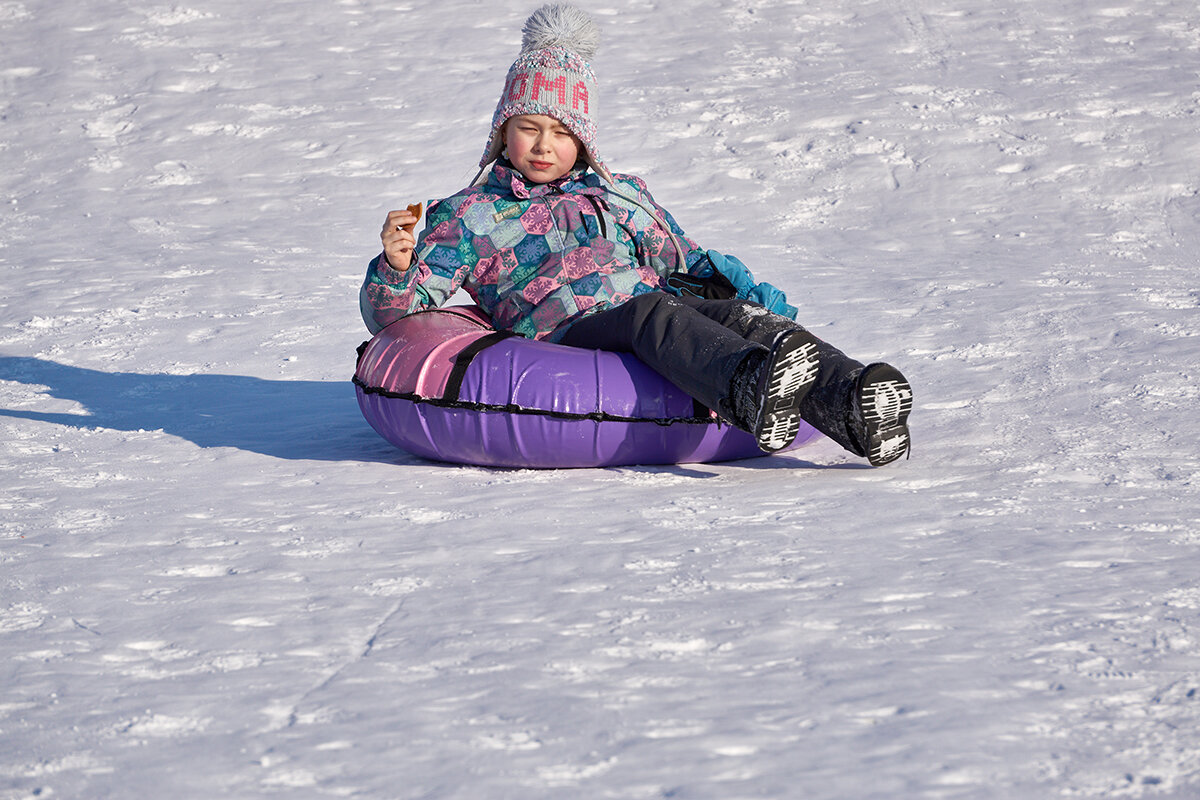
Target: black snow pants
x: 698, y: 344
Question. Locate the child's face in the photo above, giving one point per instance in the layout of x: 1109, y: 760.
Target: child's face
x: 540, y: 147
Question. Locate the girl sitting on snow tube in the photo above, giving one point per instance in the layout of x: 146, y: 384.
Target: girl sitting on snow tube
x: 554, y: 247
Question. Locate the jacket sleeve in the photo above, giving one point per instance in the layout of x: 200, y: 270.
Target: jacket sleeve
x: 705, y: 264
x: 655, y: 231
x: 436, y: 273
x: 738, y: 277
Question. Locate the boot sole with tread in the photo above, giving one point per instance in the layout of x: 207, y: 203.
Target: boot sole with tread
x: 885, y: 399
x: 789, y: 373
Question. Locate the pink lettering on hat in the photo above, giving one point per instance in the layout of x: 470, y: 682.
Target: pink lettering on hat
x: 578, y: 93
x: 559, y: 85
x: 516, y: 86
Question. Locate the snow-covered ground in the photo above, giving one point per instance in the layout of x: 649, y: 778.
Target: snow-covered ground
x: 217, y: 581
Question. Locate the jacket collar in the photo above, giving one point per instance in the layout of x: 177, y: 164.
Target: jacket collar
x: 507, y: 179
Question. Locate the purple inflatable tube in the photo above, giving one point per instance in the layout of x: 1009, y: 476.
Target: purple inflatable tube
x: 446, y: 386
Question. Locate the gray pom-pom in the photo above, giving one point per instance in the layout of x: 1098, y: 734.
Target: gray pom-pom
x: 561, y: 25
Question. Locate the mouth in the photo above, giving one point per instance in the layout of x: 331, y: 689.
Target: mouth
x: 541, y: 164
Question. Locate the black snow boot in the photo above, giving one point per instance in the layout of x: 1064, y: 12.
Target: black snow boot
x: 766, y: 392
x: 879, y: 408
x: 864, y: 409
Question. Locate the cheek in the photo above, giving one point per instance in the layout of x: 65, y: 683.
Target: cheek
x: 569, y: 151
x: 515, y: 145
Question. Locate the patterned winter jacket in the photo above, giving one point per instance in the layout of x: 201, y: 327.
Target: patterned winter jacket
x: 535, y: 257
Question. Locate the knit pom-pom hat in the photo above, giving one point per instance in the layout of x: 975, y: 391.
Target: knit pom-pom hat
x: 552, y: 76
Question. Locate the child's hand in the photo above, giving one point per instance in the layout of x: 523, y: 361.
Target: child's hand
x: 398, y: 239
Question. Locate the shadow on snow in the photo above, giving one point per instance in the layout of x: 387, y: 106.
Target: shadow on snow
x: 308, y: 420
x: 312, y: 420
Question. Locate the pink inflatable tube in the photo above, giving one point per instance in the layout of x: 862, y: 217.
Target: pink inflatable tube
x: 446, y: 386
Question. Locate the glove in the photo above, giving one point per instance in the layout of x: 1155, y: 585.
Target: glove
x: 711, y: 287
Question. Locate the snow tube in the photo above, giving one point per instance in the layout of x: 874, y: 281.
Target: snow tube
x: 445, y: 385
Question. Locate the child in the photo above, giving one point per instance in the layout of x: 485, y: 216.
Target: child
x: 553, y: 246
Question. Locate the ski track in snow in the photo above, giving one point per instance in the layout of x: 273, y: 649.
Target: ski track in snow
x: 218, y: 581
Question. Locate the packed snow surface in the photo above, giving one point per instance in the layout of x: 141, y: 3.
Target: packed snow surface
x: 217, y: 581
